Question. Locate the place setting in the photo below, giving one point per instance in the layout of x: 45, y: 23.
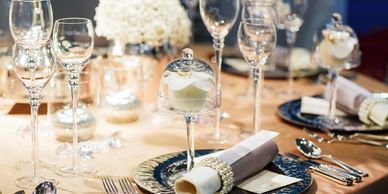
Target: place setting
x: 126, y: 101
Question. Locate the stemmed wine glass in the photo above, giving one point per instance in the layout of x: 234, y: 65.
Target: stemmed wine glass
x: 30, y: 23
x: 34, y: 78
x: 219, y: 16
x: 188, y: 87
x: 257, y: 39
x: 265, y: 9
x: 291, y: 13
x: 336, y: 47
x: 73, y: 42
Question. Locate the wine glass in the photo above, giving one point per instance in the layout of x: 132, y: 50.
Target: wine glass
x: 257, y: 39
x: 218, y: 16
x: 252, y: 9
x: 34, y: 80
x: 73, y: 42
x: 188, y: 87
x: 336, y: 47
x: 30, y: 22
x: 291, y: 13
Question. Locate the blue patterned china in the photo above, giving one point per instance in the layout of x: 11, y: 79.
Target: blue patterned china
x: 290, y: 112
x: 157, y: 175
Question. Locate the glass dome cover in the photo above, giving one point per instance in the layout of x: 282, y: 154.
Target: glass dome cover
x: 188, y: 86
x: 337, y: 46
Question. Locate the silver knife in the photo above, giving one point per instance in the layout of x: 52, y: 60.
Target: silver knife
x: 351, y: 175
x: 336, y: 177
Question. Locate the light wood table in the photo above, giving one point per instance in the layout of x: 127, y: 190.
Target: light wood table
x: 144, y: 140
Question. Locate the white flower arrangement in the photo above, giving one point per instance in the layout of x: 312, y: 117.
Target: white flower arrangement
x: 152, y: 22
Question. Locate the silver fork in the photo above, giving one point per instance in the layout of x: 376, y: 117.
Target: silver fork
x: 127, y: 186
x: 340, y: 138
x: 109, y: 186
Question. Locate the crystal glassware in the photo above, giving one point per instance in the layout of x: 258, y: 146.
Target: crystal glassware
x: 59, y: 107
x: 263, y: 9
x: 34, y: 77
x: 336, y: 47
x: 188, y: 87
x: 119, y: 91
x: 73, y: 42
x: 291, y: 13
x: 257, y: 39
x: 218, y: 16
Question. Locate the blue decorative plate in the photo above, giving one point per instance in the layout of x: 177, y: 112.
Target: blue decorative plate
x: 157, y: 175
x: 290, y: 112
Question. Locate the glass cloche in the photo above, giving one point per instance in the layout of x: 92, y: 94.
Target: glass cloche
x: 336, y: 48
x: 188, y: 87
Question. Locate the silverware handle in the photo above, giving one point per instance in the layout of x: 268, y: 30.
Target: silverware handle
x: 346, y: 166
x: 371, y: 142
x: 332, y: 176
x: 371, y: 136
x: 351, y: 175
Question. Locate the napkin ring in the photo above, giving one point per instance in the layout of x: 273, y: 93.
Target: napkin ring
x: 223, y: 169
x: 366, y: 108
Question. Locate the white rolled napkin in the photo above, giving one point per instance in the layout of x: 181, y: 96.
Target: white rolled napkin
x: 349, y: 95
x: 245, y: 159
x: 352, y: 99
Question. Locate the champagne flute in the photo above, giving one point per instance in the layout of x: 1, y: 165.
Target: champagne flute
x: 257, y: 39
x: 219, y: 16
x: 73, y: 42
x: 34, y: 80
x: 291, y: 13
x: 335, y: 48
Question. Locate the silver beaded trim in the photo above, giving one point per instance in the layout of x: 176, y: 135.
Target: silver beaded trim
x: 223, y: 169
x: 366, y: 108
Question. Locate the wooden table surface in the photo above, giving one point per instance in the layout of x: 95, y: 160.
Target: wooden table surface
x: 144, y: 139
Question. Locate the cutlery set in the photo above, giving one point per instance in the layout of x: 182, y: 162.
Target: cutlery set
x: 346, y: 174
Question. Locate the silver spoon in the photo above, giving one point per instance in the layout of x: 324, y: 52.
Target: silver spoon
x: 45, y: 188
x: 310, y: 150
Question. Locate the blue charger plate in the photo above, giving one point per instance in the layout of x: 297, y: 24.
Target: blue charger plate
x: 157, y: 175
x: 290, y: 112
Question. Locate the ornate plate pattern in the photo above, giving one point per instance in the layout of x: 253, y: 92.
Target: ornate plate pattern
x: 158, y: 174
x: 290, y: 112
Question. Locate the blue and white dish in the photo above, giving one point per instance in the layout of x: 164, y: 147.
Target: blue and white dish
x: 157, y: 175
x: 290, y: 112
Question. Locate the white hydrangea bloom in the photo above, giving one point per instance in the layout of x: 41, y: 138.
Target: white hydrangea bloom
x: 152, y: 22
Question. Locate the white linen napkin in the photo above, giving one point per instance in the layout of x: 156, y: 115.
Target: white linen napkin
x: 258, y: 148
x: 350, y: 96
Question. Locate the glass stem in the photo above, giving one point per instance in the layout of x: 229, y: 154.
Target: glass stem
x: 257, y: 74
x: 333, y: 74
x: 218, y: 45
x: 190, y: 140
x: 74, y: 82
x: 291, y: 39
x: 34, y: 103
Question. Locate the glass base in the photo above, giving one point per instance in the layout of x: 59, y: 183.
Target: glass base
x: 216, y: 138
x: 30, y: 182
x: 70, y: 171
x: 25, y: 166
x: 327, y: 123
x: 287, y: 95
x: 246, y: 134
